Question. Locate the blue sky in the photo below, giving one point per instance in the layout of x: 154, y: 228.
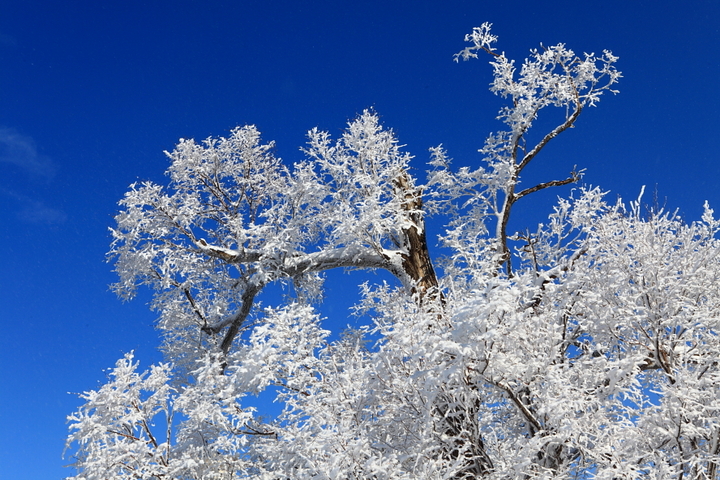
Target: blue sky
x: 91, y: 93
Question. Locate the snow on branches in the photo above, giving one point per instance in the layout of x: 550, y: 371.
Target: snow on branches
x: 589, y: 351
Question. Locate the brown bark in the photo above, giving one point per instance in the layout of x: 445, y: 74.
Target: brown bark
x: 456, y: 421
x: 416, y: 262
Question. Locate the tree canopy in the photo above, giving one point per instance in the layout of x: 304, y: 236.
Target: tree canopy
x: 587, y: 348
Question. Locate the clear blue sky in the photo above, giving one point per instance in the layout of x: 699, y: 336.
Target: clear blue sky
x: 92, y: 92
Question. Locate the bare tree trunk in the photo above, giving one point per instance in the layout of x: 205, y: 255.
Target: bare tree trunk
x: 416, y: 262
x: 457, y: 417
x: 458, y: 422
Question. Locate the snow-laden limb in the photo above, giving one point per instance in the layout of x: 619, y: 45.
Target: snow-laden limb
x: 586, y: 347
x: 204, y: 430
x: 552, y: 76
x: 481, y: 39
x: 651, y: 314
x: 115, y: 429
x: 234, y: 219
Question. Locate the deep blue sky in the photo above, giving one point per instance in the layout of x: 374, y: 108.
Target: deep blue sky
x: 92, y: 92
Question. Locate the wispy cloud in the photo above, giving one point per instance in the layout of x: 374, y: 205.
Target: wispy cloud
x: 21, y: 151
x: 36, y: 212
x: 32, y: 210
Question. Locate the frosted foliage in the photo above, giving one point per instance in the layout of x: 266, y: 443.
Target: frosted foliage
x: 233, y: 219
x: 587, y: 349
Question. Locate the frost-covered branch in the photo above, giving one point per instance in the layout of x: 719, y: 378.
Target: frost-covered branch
x: 552, y: 76
x: 590, y: 351
x: 234, y: 219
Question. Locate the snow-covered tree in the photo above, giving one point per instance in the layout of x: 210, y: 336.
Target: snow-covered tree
x: 587, y: 349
